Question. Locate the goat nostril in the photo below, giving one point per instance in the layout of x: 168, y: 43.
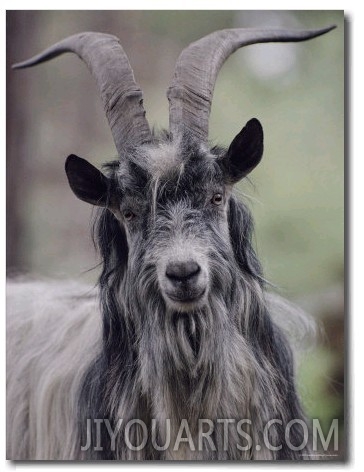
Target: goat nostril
x: 182, y: 271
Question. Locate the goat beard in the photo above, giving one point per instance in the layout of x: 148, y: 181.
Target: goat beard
x: 195, y: 366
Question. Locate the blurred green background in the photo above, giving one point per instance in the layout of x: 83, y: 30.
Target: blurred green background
x: 296, y: 194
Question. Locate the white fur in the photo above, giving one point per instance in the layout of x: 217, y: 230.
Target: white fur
x: 53, y: 332
x: 162, y: 159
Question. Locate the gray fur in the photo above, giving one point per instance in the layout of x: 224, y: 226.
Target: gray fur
x: 182, y: 333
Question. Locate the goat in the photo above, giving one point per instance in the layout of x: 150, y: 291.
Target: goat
x: 180, y: 336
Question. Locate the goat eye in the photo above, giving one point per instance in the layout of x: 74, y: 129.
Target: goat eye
x: 128, y: 215
x: 217, y: 199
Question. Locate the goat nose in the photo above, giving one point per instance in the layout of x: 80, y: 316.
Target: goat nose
x: 182, y: 271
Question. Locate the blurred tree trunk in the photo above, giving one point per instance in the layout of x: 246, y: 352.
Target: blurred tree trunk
x: 18, y: 24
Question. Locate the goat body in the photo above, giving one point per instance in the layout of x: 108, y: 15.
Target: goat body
x: 178, y: 355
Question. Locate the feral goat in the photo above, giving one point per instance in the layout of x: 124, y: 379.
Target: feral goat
x: 177, y: 355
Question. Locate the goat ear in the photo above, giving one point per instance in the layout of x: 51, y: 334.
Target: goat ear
x: 244, y: 153
x: 87, y: 182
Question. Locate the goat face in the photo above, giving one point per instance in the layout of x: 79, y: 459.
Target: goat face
x: 171, y: 200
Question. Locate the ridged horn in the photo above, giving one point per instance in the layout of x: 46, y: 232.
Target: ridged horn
x: 121, y: 96
x: 191, y: 90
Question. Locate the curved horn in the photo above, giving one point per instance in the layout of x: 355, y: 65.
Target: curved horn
x: 190, y: 93
x: 121, y: 96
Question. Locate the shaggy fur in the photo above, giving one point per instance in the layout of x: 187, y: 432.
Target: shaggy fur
x: 140, y: 356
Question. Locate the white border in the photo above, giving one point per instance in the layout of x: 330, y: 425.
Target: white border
x: 356, y: 232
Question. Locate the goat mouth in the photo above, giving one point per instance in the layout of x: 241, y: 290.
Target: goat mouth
x: 186, y: 298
